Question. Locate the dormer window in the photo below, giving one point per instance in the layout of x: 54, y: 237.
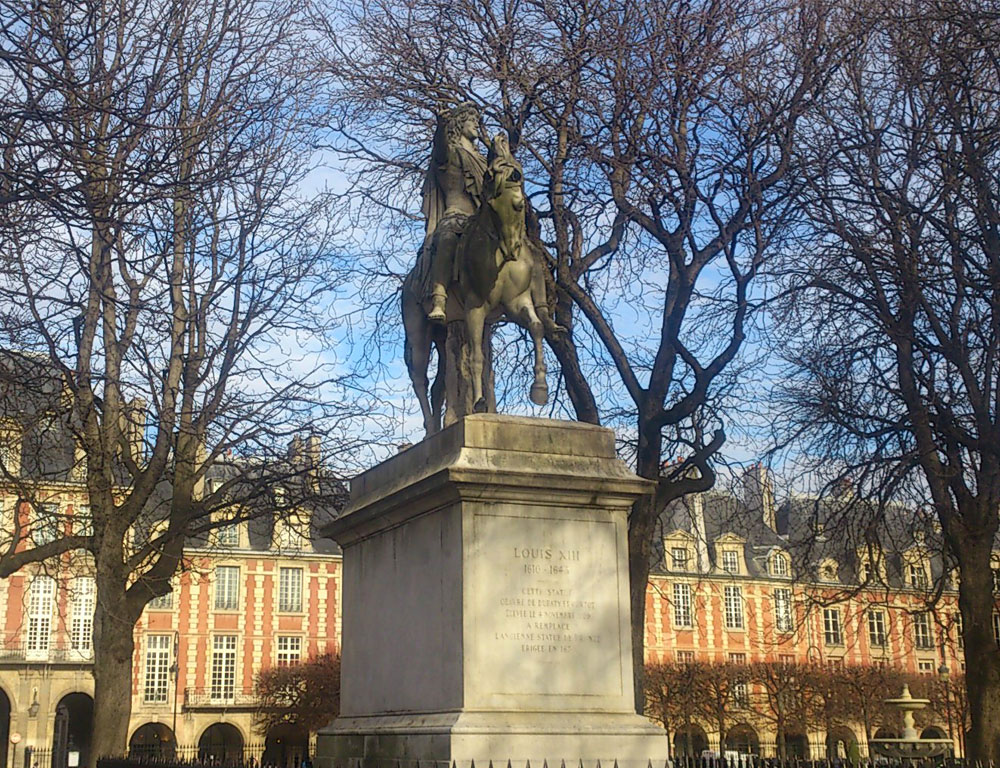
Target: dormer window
x: 918, y: 576
x: 228, y: 535
x: 730, y: 561
x: 679, y: 558
x: 865, y: 572
x: 779, y: 565
x: 828, y: 571
x: 10, y: 448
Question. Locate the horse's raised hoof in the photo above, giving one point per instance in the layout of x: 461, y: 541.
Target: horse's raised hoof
x: 539, y: 393
x: 480, y: 406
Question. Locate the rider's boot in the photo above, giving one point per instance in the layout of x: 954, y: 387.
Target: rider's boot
x: 437, y: 313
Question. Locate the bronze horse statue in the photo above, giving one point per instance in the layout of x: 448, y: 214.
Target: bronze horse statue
x: 497, y: 270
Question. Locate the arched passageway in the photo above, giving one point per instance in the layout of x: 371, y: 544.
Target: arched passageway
x: 842, y: 744
x: 221, y: 743
x: 4, y: 726
x: 285, y: 746
x: 743, y: 739
x: 690, y: 741
x: 796, y: 746
x: 153, y: 741
x: 72, y: 730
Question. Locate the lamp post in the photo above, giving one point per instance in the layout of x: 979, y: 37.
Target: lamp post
x: 175, y: 669
x: 944, y: 674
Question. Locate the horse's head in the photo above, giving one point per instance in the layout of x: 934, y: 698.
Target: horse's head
x: 505, y: 175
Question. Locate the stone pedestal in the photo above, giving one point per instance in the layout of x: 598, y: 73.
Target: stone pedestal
x: 485, y: 604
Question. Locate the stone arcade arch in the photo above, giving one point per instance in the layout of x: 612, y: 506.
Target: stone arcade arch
x: 690, y: 741
x: 221, y: 743
x: 73, y: 729
x: 842, y: 744
x: 285, y: 746
x: 796, y: 745
x: 4, y: 726
x: 152, y: 741
x: 743, y: 739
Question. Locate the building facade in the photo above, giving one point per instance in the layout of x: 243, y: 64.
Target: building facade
x: 251, y: 597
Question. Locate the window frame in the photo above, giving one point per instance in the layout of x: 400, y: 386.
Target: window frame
x: 222, y: 668
x: 833, y: 628
x: 784, y: 622
x: 283, y: 656
x: 683, y: 615
x: 157, y: 660
x: 876, y: 620
x: 730, y: 561
x: 734, y: 618
x: 285, y: 605
x: 222, y: 601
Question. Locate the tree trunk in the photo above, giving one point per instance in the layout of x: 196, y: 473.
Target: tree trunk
x: 641, y: 526
x: 114, y: 646
x: 982, y: 657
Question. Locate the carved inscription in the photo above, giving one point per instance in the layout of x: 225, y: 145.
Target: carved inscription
x: 551, y: 618
x: 554, y: 602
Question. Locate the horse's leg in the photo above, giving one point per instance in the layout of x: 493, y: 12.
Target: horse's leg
x: 416, y: 354
x: 438, y: 387
x: 523, y: 312
x: 475, y: 321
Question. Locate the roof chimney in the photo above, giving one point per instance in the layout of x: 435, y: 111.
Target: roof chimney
x: 758, y: 494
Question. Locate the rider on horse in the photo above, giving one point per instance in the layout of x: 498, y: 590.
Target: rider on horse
x: 452, y: 193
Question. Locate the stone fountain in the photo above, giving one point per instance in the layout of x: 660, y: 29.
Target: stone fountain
x: 910, y: 746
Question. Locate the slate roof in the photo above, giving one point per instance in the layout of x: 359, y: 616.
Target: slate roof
x: 811, y: 530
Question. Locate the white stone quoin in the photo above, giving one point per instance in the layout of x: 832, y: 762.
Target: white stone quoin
x: 485, y: 604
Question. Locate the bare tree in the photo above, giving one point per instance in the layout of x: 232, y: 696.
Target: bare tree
x: 160, y: 265
x: 656, y: 139
x: 895, y: 313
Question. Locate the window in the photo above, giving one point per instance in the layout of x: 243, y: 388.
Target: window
x: 959, y: 636
x: 40, y: 616
x: 737, y: 658
x: 682, y: 605
x: 154, y: 690
x: 996, y: 579
x: 82, y: 616
x: 289, y: 650
x: 679, y: 558
x: 996, y: 628
x: 46, y: 528
x: 828, y: 571
x: 740, y: 693
x: 779, y: 565
x: 730, y: 561
x: 223, y: 675
x: 877, y: 637
x: 787, y: 659
x: 289, y: 590
x: 161, y: 603
x: 831, y: 627
x: 227, y: 588
x: 287, y: 534
x: 228, y: 535
x: 918, y: 576
x: 836, y: 662
x: 83, y: 522
x: 734, y: 608
x: 922, y: 630
x: 685, y: 657
x: 10, y: 449
x: 783, y: 610
x: 925, y: 667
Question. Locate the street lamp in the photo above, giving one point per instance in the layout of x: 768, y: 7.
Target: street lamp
x: 33, y: 707
x: 944, y: 675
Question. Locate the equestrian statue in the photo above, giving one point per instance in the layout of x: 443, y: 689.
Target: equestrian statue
x: 476, y: 264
